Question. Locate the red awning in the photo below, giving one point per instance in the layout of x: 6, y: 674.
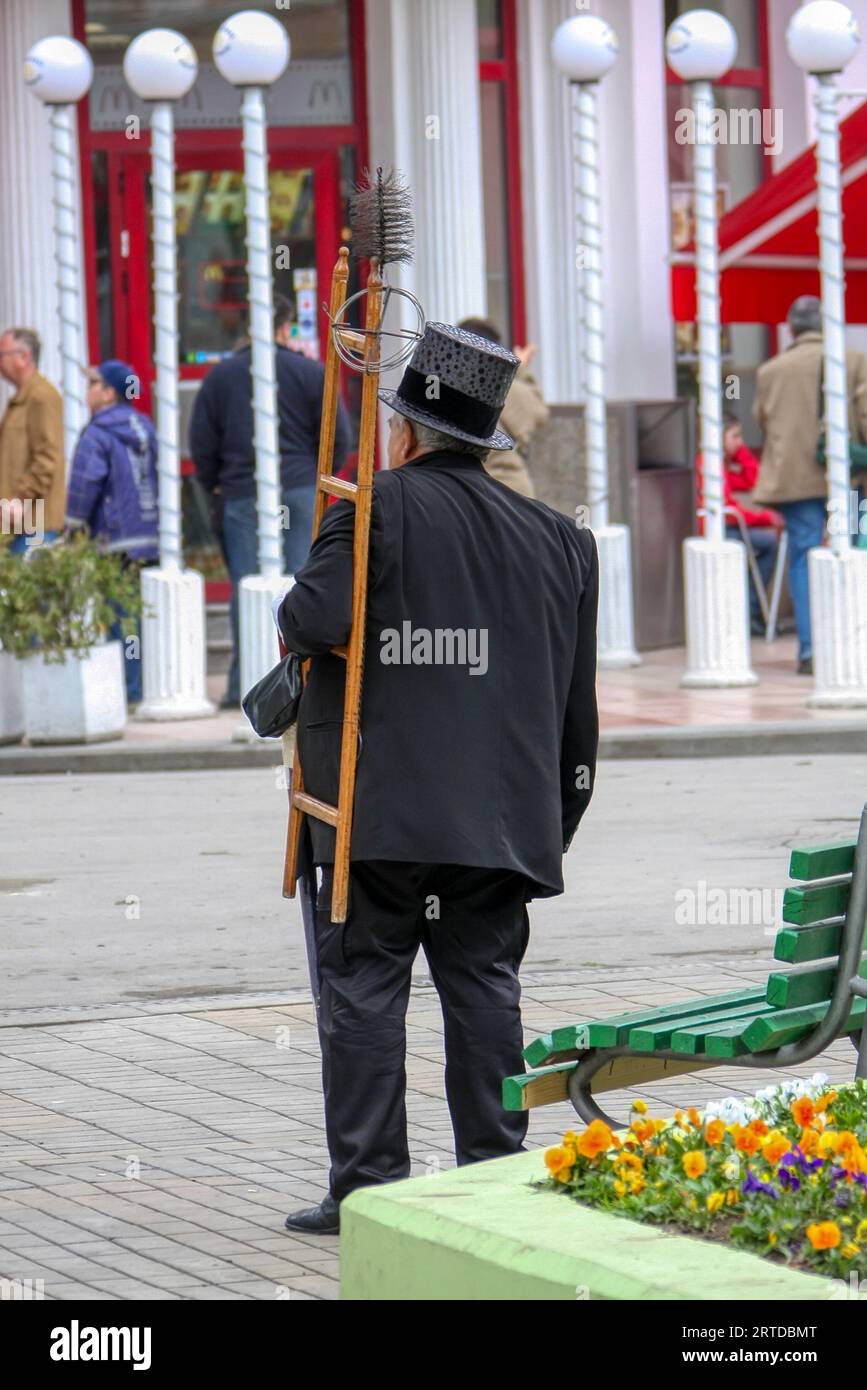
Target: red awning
x: 769, y: 243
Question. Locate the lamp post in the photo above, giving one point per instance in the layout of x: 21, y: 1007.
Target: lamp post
x: 701, y: 46
x: 160, y: 66
x: 59, y: 70
x: 251, y: 50
x: 584, y: 50
x: 822, y: 39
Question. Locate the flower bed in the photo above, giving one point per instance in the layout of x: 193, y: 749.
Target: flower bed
x: 782, y: 1174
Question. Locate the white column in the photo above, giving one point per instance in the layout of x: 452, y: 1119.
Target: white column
x: 423, y: 87
x: 549, y: 204
x: 635, y: 206
x: 28, y: 295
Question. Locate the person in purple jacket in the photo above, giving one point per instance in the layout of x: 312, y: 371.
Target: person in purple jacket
x: 113, y: 487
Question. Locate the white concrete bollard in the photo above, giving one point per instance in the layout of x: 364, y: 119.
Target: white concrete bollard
x: 259, y: 645
x: 616, y: 646
x: 717, y: 615
x: 173, y: 645
x: 838, y: 615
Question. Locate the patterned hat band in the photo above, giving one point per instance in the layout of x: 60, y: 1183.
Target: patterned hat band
x: 445, y: 402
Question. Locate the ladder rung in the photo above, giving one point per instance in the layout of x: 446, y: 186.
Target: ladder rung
x: 311, y: 807
x: 338, y: 487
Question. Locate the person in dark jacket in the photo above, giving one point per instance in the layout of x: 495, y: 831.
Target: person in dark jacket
x: 221, y: 446
x: 478, y: 743
x: 113, y: 487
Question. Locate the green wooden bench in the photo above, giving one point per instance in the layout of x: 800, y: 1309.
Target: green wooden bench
x: 789, y: 1020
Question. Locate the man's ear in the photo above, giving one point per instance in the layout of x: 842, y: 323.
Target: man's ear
x: 409, y: 440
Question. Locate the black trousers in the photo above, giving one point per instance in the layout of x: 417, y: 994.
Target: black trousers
x: 473, y: 927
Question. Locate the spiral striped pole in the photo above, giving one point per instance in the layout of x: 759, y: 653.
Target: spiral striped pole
x: 261, y: 301
x: 584, y: 49
x: 838, y: 574
x: 701, y: 47
x: 66, y: 241
x: 165, y: 261
x: 252, y: 50
x: 160, y: 67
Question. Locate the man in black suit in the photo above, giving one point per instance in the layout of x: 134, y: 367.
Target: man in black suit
x: 478, y: 744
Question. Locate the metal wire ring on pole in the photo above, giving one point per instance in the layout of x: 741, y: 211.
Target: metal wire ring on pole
x: 350, y: 342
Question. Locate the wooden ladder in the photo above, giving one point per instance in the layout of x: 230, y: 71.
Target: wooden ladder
x: 361, y: 494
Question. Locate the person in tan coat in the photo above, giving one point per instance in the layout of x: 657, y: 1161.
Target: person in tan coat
x: 31, y: 445
x: 786, y: 409
x: 525, y: 412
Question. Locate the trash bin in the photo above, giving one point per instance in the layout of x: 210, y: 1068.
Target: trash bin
x: 653, y: 493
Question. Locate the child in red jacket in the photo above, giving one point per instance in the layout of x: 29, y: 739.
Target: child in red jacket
x: 740, y: 474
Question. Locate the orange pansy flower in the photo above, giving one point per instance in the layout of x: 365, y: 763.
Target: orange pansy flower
x: 824, y: 1235
x: 694, y: 1163
x: 803, y: 1111
x: 714, y: 1133
x: 776, y: 1146
x: 595, y: 1140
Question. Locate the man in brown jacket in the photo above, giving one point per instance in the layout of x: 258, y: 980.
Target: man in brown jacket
x: 787, y: 410
x: 31, y: 445
x: 525, y: 412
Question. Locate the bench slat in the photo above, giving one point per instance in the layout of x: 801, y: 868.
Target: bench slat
x: 797, y: 945
x: 544, y: 1087
x: 716, y: 1039
x: 822, y: 861
x: 782, y: 1026
x: 611, y: 1032
x: 640, y: 1071
x: 652, y: 1039
x: 804, y: 987
x: 805, y: 905
x: 691, y: 1033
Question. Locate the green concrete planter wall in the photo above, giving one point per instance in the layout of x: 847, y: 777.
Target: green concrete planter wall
x: 481, y: 1232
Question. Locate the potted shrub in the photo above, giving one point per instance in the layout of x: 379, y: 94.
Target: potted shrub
x: 56, y: 608
x: 11, y: 698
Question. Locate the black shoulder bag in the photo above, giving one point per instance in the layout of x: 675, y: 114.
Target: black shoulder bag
x: 272, y: 704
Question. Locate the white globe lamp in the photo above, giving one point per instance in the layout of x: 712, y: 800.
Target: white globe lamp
x: 701, y: 46
x: 823, y: 37
x: 251, y: 49
x: 58, y: 70
x: 585, y: 48
x: 160, y: 65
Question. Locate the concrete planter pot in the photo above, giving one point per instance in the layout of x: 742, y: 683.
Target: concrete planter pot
x: 11, y: 699
x: 82, y: 700
x: 483, y: 1233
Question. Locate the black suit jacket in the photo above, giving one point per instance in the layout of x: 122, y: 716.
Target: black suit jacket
x: 479, y: 724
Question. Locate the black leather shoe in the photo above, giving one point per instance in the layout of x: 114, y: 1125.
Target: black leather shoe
x: 805, y: 666
x: 323, y: 1220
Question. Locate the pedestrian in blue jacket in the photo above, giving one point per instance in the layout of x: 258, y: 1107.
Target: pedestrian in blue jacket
x: 113, y: 487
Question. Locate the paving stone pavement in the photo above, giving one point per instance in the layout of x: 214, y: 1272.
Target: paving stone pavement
x: 154, y: 1156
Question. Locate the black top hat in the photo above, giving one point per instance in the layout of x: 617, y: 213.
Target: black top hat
x: 457, y: 383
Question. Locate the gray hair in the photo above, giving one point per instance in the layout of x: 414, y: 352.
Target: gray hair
x: 805, y: 315
x: 434, y: 440
x: 28, y: 339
